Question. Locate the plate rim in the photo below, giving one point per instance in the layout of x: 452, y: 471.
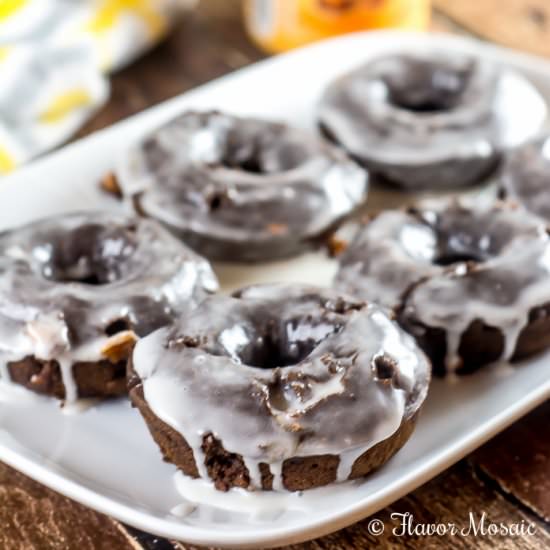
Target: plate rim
x: 295, y: 533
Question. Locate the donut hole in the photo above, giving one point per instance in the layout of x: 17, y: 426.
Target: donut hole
x: 116, y: 326
x: 450, y: 258
x: 467, y: 240
x: 384, y: 367
x: 91, y: 254
x: 282, y: 344
x: 266, y: 155
x: 460, y: 248
x: 429, y: 101
x: 249, y: 164
x: 423, y: 87
x: 215, y: 201
x: 458, y: 236
x: 427, y: 244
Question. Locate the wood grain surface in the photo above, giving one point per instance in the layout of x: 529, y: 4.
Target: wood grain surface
x: 508, y: 478
x: 522, y: 24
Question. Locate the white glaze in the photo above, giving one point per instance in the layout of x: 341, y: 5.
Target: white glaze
x: 276, y: 469
x: 447, y: 301
x: 258, y: 506
x: 438, y: 148
x: 524, y: 176
x: 412, y: 133
x: 304, y: 185
x: 385, y: 257
x: 4, y: 373
x: 513, y: 278
x: 260, y: 414
x: 65, y: 321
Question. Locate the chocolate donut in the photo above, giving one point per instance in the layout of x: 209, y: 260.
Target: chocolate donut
x: 77, y: 290
x: 430, y: 119
x: 472, y: 285
x: 525, y: 176
x: 241, y: 189
x: 279, y: 387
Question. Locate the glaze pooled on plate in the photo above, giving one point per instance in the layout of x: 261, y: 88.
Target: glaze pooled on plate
x: 77, y: 290
x: 471, y: 284
x: 279, y: 386
x: 429, y: 119
x: 241, y: 189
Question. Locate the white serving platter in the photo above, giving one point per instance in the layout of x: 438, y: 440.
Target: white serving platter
x: 104, y: 456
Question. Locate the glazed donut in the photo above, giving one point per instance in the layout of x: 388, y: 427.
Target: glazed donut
x: 279, y: 387
x: 75, y: 292
x: 525, y: 176
x: 430, y: 119
x: 472, y: 285
x: 241, y: 189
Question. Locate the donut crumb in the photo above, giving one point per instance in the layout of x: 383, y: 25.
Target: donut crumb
x: 226, y: 469
x: 109, y: 184
x: 342, y: 306
x: 384, y: 367
x: 119, y: 346
x: 184, y: 341
x: 336, y: 246
x: 277, y: 228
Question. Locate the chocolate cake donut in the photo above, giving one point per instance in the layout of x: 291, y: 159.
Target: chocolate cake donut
x: 78, y: 289
x: 279, y: 387
x: 472, y: 285
x: 525, y: 176
x: 241, y: 189
x: 430, y: 119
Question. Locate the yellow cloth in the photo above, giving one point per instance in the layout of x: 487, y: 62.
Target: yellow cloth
x: 54, y: 55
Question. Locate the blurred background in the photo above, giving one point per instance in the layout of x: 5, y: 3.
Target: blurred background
x: 69, y: 67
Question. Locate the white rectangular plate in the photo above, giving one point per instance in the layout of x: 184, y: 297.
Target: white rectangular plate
x: 105, y: 458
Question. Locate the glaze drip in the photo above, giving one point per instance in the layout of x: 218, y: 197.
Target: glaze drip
x: 450, y: 267
x: 69, y: 284
x: 326, y: 402
x: 241, y: 188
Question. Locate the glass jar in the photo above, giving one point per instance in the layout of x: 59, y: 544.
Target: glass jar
x: 279, y: 25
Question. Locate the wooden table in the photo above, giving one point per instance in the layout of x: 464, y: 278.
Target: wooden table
x: 508, y: 478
